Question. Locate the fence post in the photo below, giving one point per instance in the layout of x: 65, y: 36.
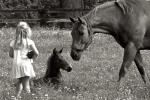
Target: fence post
x: 42, y: 15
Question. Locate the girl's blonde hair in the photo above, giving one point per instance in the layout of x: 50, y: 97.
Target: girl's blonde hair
x: 23, y: 31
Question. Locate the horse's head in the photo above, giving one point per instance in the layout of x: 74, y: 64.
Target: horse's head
x: 59, y: 62
x: 82, y: 37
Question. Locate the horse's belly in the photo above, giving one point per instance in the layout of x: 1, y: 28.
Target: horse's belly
x: 122, y: 40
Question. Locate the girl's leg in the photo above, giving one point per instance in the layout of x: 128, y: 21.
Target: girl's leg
x: 26, y: 84
x: 19, y: 87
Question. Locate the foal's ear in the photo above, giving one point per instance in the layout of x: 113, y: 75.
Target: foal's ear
x: 61, y: 50
x: 54, y: 51
x: 81, y: 20
x: 72, y: 19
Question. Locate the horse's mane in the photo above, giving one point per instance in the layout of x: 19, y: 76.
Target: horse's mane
x: 50, y: 61
x: 94, y: 11
x: 126, y: 6
x: 106, y: 4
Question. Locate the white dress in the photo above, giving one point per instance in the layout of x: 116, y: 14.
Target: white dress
x: 22, y: 65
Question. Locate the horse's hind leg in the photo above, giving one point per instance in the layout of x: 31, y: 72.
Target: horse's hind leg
x: 139, y: 63
x: 129, y: 55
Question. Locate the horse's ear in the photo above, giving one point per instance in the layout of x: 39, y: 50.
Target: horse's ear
x: 54, y: 51
x: 61, y: 50
x: 72, y: 19
x: 81, y: 20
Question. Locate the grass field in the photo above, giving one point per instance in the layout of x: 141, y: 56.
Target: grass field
x: 94, y: 77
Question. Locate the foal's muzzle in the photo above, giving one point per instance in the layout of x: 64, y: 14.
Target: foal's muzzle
x: 69, y: 69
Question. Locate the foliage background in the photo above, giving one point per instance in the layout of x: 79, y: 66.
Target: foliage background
x: 42, y: 4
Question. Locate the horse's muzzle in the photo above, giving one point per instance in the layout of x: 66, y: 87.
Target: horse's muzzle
x: 75, y: 55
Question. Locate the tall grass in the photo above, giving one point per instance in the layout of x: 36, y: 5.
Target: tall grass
x: 94, y: 77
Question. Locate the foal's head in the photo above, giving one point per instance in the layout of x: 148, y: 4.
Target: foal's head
x: 56, y: 62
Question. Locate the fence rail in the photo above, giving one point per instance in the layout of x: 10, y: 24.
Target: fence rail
x: 42, y: 19
x: 37, y: 10
x: 34, y: 20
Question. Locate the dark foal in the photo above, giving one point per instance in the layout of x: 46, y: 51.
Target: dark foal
x: 53, y: 75
x: 54, y: 64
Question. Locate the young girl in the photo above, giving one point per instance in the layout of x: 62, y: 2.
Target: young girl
x: 22, y: 68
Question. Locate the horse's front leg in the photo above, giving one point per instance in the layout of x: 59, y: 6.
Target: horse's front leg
x: 129, y: 54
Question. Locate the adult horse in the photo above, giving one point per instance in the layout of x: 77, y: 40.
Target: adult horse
x: 128, y: 21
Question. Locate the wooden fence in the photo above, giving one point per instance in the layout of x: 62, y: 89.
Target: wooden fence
x: 42, y: 19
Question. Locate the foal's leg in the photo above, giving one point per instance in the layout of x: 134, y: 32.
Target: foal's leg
x: 129, y: 55
x: 139, y: 63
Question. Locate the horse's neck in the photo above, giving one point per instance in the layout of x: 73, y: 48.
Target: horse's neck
x: 52, y: 72
x: 94, y: 22
x: 55, y: 73
x: 97, y: 14
x: 99, y: 19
